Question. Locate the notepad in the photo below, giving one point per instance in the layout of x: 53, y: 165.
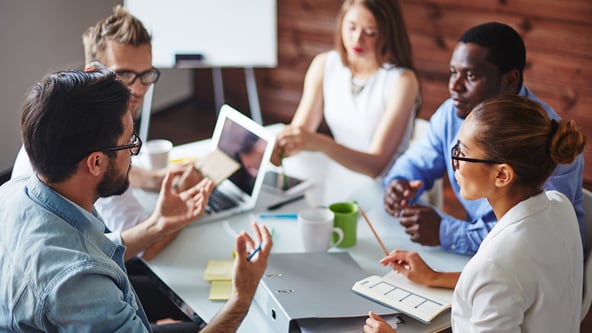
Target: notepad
x: 220, y: 290
x: 219, y: 274
x: 396, y: 291
x: 218, y: 270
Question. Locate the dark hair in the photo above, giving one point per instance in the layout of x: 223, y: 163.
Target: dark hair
x: 506, y: 47
x: 518, y: 131
x: 121, y: 27
x: 393, y: 45
x: 70, y: 114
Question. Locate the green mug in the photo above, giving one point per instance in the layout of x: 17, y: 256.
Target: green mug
x: 346, y: 219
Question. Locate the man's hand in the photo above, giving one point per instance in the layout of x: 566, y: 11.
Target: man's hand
x: 176, y: 209
x: 398, y: 193
x: 245, y: 279
x: 422, y: 224
x: 247, y: 273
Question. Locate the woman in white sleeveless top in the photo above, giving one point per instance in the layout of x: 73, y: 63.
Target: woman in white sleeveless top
x: 366, y: 90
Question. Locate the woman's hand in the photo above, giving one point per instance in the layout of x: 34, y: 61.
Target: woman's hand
x: 375, y: 324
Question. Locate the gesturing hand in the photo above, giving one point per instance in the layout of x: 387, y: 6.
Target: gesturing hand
x: 247, y: 273
x: 175, y: 210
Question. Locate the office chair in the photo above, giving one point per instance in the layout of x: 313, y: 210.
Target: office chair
x: 587, y: 297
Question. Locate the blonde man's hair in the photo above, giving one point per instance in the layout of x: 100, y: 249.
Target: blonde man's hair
x: 121, y: 27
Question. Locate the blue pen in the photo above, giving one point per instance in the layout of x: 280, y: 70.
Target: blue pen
x: 289, y: 216
x: 252, y: 254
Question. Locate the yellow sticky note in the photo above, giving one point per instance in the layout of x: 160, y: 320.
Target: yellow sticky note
x: 183, y: 160
x: 218, y: 270
x: 220, y: 290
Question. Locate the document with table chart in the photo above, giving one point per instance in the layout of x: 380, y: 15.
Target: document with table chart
x: 396, y: 291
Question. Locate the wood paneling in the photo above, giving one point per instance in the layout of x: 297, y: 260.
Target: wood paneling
x: 557, y: 36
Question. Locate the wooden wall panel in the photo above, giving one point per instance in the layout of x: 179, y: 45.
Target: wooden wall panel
x: 557, y: 36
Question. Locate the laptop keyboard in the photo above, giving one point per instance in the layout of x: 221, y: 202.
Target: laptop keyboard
x: 219, y: 201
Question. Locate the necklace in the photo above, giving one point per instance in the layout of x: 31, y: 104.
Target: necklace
x: 357, y: 86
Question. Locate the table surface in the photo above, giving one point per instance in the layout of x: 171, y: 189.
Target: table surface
x: 181, y: 265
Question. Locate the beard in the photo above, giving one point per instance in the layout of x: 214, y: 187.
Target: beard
x: 112, y: 182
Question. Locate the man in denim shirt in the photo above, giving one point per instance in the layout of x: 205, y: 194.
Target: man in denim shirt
x: 59, y: 270
x: 488, y: 61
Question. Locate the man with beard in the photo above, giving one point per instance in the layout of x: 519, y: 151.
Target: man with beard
x: 488, y: 61
x: 59, y: 270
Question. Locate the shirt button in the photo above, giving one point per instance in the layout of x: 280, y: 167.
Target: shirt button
x: 453, y: 246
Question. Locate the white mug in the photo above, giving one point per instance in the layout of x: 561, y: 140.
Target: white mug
x: 158, y: 153
x: 316, y: 229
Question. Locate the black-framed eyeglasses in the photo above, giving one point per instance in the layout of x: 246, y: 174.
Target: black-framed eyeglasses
x: 133, y: 147
x: 147, y: 77
x: 455, y: 157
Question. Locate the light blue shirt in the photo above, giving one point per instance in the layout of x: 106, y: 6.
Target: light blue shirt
x: 429, y: 160
x: 59, y: 273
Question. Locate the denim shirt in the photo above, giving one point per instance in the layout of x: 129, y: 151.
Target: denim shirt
x: 59, y: 273
x: 429, y: 160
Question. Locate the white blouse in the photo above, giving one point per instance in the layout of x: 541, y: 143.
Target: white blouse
x: 527, y: 274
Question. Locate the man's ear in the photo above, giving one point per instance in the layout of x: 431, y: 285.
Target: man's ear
x: 93, y: 66
x: 505, y: 175
x: 510, y: 82
x: 96, y: 163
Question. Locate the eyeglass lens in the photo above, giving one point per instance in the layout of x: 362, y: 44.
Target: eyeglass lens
x: 137, y: 145
x: 147, y: 77
x: 454, y: 152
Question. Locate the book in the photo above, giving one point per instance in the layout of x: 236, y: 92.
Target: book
x: 396, y: 291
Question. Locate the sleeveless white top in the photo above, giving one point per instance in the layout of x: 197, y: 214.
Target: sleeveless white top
x: 353, y: 117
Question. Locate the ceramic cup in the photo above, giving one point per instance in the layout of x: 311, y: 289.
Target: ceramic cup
x: 346, y: 218
x: 316, y: 229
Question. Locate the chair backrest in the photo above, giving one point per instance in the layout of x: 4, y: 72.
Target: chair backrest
x: 587, y: 203
x: 435, y: 196
x: 587, y: 297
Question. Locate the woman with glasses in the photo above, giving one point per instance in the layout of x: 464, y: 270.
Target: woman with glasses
x: 527, y: 273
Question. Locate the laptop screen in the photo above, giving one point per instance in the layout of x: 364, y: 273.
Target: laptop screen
x: 246, y: 148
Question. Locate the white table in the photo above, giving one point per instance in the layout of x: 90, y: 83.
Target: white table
x: 181, y: 265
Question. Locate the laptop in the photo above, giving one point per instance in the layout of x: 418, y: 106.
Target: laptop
x: 250, y: 146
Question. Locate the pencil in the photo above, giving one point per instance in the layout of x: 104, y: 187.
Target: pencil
x: 386, y: 252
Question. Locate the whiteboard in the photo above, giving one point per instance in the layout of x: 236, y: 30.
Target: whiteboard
x: 223, y: 33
